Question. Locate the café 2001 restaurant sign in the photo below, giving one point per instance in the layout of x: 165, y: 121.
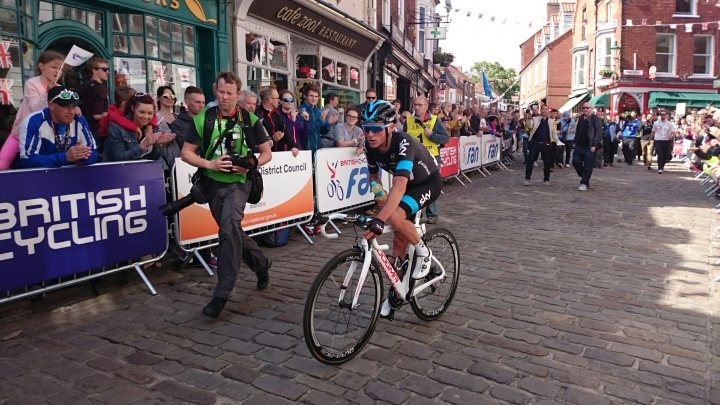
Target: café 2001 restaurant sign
x: 309, y: 23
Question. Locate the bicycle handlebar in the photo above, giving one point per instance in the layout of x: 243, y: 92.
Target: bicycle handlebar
x: 357, y: 220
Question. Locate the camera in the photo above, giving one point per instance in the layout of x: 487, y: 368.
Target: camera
x: 246, y: 162
x: 198, y: 194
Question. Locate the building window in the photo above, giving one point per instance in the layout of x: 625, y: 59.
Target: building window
x: 583, y: 25
x: 421, y: 29
x: 609, y: 11
x: 604, y: 54
x: 401, y: 15
x: 579, y: 70
x: 49, y: 11
x: 685, y: 6
x: 386, y: 13
x: 703, y: 55
x: 665, y: 54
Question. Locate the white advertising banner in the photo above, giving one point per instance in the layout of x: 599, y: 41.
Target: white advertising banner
x: 470, y: 148
x: 288, y: 195
x: 342, y: 179
x: 491, y: 149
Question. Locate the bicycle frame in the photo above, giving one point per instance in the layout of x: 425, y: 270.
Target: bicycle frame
x: 373, y: 249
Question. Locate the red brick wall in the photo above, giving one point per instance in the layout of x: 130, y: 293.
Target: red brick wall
x: 559, y: 78
x: 642, y: 39
x: 410, y: 15
x: 527, y: 51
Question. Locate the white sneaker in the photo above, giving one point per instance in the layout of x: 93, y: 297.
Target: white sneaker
x: 660, y: 171
x: 385, y: 308
x: 546, y: 183
x: 583, y: 187
x: 422, y: 266
x: 526, y: 183
x: 567, y: 165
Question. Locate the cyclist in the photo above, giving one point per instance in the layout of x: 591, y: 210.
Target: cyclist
x: 416, y: 183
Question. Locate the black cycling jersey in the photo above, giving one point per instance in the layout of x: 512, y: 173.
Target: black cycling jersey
x: 406, y: 157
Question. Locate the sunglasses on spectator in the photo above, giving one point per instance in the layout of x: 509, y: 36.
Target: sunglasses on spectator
x: 104, y: 69
x: 353, y: 116
x: 66, y: 95
x: 169, y: 96
x: 288, y: 100
x: 374, y: 127
x: 371, y: 98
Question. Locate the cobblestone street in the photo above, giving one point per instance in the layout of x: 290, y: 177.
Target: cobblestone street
x: 565, y: 297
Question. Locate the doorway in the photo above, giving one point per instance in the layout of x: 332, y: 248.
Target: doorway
x: 72, y: 77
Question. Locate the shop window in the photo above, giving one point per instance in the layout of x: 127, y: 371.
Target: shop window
x: 347, y: 98
x: 328, y: 70
x: 8, y: 21
x: 278, y: 54
x: 307, y: 67
x: 10, y: 83
x: 48, y: 11
x: 255, y: 49
x: 176, y: 76
x: 134, y: 71
x: 342, y: 74
x: 153, y: 37
x: 354, y: 76
x: 258, y: 77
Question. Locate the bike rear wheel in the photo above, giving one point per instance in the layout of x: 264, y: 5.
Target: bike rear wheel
x: 335, y: 333
x: 433, y: 301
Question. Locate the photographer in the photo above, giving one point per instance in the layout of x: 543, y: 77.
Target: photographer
x: 222, y: 146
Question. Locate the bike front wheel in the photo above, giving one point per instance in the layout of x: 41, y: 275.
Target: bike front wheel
x: 432, y: 302
x: 335, y: 332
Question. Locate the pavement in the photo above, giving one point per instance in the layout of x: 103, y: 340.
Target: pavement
x: 565, y: 297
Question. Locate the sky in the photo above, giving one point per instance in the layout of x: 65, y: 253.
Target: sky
x: 472, y: 39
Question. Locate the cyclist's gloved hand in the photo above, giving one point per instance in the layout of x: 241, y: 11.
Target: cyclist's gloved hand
x: 376, y: 226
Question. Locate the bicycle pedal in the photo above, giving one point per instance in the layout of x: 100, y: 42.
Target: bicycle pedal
x: 390, y: 316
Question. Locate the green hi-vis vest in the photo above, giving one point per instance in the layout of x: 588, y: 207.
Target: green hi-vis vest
x: 239, y: 134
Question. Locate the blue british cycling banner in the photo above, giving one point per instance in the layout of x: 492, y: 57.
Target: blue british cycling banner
x: 56, y: 222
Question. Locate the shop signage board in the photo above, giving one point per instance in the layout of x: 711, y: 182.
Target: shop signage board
x: 200, y: 12
x: 301, y: 20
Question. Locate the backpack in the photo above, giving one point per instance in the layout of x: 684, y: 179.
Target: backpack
x: 274, y: 239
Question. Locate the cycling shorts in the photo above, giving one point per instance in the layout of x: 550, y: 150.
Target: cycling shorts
x: 418, y: 196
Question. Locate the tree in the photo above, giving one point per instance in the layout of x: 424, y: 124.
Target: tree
x: 504, y: 79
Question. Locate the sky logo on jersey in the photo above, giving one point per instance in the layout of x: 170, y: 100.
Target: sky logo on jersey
x: 425, y: 197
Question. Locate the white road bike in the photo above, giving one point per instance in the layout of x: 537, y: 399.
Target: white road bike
x: 344, y: 302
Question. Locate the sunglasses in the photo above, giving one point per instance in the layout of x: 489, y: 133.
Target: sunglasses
x: 374, y: 127
x: 104, y: 69
x: 169, y: 97
x: 66, y: 95
x: 353, y: 117
x: 371, y: 98
x: 141, y: 94
x: 288, y: 100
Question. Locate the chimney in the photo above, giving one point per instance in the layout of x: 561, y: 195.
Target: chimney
x: 553, y: 8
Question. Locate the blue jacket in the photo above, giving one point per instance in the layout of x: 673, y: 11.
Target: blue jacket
x: 37, y: 141
x: 316, y: 127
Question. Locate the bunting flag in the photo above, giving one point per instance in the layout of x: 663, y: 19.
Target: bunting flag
x: 271, y: 50
x: 330, y: 69
x: 704, y: 26
x: 688, y: 27
x: 354, y: 75
x: 644, y: 21
x: 159, y: 74
x: 486, y: 85
x: 629, y: 23
x: 5, y: 56
x: 6, y: 91
x: 673, y: 26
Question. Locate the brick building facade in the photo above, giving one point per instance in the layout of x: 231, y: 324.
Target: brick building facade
x: 643, y: 54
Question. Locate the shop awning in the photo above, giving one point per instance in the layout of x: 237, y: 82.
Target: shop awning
x: 693, y: 100
x: 573, y: 101
x: 602, y: 100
